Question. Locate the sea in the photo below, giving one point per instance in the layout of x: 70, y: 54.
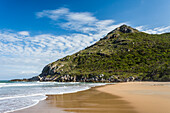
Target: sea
x: 20, y: 95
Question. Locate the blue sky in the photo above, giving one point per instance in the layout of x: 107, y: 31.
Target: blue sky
x: 34, y: 33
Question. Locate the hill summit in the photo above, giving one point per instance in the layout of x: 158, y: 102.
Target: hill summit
x: 124, y: 54
x: 124, y: 29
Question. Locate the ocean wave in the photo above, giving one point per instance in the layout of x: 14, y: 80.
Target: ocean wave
x: 35, y: 84
x: 16, y: 85
x: 22, y: 97
x: 22, y: 107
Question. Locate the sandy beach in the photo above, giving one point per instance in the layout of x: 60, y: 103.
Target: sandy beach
x: 130, y: 97
x: 145, y: 97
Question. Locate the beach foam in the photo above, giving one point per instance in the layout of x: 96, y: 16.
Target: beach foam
x: 20, y: 95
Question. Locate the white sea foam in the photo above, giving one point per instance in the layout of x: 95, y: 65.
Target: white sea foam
x: 21, y: 95
x: 34, y: 84
x: 35, y: 102
x: 22, y: 108
x: 16, y: 85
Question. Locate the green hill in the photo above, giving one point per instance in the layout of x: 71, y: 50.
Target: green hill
x: 124, y: 54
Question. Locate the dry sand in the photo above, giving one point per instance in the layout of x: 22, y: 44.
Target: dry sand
x: 146, y: 97
x: 132, y: 97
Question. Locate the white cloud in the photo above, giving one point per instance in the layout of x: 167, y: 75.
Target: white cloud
x: 140, y: 28
x: 79, y: 21
x: 29, y: 72
x: 104, y: 23
x: 81, y: 17
x: 157, y: 30
x: 8, y: 37
x: 25, y: 33
x: 53, y: 14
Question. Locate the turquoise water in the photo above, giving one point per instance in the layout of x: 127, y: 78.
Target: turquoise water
x: 20, y: 95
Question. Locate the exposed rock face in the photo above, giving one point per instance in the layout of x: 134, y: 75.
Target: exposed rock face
x: 23, y: 80
x: 68, y: 78
x: 124, y: 29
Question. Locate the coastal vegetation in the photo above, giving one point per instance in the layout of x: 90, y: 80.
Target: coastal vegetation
x: 124, y: 54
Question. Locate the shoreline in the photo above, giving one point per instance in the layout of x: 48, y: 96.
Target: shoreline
x: 129, y: 97
x: 39, y: 103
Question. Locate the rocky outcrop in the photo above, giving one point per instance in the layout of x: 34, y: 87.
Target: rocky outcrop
x: 90, y: 78
x: 22, y: 80
x: 124, y: 29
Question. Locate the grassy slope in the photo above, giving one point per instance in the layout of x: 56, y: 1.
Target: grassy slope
x: 138, y: 54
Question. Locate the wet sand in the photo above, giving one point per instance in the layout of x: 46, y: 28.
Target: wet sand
x: 89, y: 101
x: 132, y: 97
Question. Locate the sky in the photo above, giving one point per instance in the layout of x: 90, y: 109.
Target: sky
x: 34, y: 33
